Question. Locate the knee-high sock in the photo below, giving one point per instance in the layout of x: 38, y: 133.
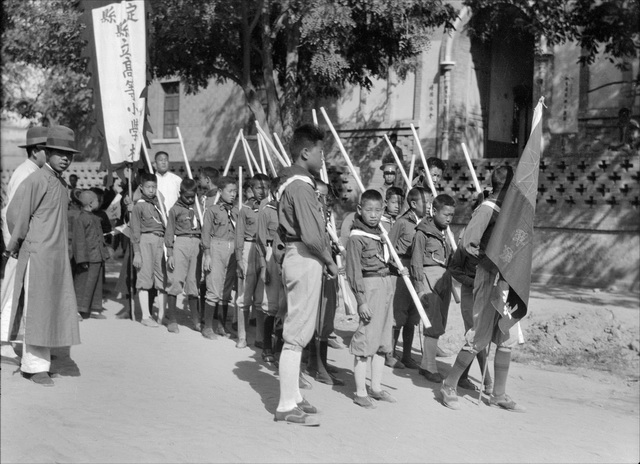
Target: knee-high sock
x: 396, y: 336
x: 289, y: 371
x: 407, y: 339
x: 501, y: 369
x: 268, y: 332
x: 161, y: 299
x: 194, y: 309
x: 259, y: 325
x: 208, y: 315
x: 143, y: 298
x: 225, y: 311
x: 171, y: 308
x: 377, y: 366
x: 463, y: 359
x: 360, y: 374
x: 243, y: 322
x: 429, y: 354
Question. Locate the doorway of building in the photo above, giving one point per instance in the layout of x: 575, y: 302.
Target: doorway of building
x: 503, y: 59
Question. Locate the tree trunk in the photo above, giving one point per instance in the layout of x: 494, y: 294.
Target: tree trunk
x: 291, y: 108
x: 273, y: 103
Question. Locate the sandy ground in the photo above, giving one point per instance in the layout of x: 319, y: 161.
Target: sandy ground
x: 145, y: 395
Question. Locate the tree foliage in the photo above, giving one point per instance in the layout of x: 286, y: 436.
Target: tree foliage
x: 611, y: 27
x: 43, y: 75
x: 290, y: 51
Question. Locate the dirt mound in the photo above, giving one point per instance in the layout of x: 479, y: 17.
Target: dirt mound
x: 593, y: 338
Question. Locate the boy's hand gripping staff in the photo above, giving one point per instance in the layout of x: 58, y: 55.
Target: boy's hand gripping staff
x: 394, y: 254
x: 189, y: 174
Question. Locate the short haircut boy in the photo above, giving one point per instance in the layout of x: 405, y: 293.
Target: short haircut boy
x: 147, y: 177
x: 437, y: 163
x: 212, y: 173
x: 415, y: 194
x: 501, y: 177
x: 443, y: 200
x: 188, y: 185
x: 226, y: 180
x: 305, y: 136
x: 161, y: 153
x: 391, y: 191
x: 370, y: 195
x: 259, y: 177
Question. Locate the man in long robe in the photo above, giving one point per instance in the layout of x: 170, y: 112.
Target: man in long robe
x: 36, y: 139
x: 44, y: 310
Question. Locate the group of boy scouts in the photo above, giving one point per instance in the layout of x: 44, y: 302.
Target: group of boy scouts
x: 274, y: 250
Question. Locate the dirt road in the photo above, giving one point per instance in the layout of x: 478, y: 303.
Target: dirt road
x: 145, y: 395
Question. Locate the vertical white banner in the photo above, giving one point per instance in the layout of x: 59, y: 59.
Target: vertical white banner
x: 119, y: 33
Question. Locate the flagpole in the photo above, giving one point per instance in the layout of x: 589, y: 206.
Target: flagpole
x: 268, y: 156
x: 385, y: 236
x: 411, y: 168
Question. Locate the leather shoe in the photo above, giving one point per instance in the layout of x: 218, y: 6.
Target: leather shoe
x: 467, y: 384
x: 434, y: 377
x: 298, y: 417
x: 41, y: 378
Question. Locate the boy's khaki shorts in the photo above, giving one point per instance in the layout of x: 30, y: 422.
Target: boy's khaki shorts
x: 186, y: 267
x: 222, y: 277
x: 375, y: 336
x: 153, y: 273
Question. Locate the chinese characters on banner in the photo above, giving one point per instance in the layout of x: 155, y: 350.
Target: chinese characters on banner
x: 119, y: 33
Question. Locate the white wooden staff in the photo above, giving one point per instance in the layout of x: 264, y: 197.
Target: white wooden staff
x: 228, y: 165
x: 331, y: 228
x: 263, y: 165
x: 147, y: 158
x: 395, y: 157
x: 385, y: 236
x: 284, y: 152
x: 282, y: 160
x: 189, y: 174
x: 476, y: 184
x: 253, y: 158
x: 411, y: 168
x: 246, y: 154
x: 432, y: 186
x: 266, y: 151
x: 239, y: 188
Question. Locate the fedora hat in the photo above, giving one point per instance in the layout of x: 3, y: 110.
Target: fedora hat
x: 35, y: 136
x: 61, y: 138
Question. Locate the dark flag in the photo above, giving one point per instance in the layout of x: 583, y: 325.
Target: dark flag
x: 510, y: 247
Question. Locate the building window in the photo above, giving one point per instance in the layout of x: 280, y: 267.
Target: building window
x: 171, y: 109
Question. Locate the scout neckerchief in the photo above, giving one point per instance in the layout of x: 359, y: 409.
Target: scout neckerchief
x: 154, y: 202
x: 193, y: 217
x: 360, y: 229
x: 491, y: 204
x: 387, y: 219
x: 228, y: 208
x: 291, y: 180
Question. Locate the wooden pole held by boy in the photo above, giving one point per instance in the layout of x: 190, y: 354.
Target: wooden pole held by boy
x: 394, y: 254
